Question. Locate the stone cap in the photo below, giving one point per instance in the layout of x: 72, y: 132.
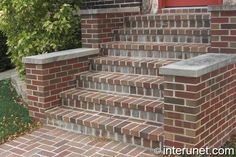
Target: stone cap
x: 109, y: 10
x: 198, y: 66
x: 60, y: 55
x: 222, y: 8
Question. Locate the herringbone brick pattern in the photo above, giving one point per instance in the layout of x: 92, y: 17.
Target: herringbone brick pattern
x: 53, y: 142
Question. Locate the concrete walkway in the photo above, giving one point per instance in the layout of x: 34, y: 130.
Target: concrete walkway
x: 53, y: 142
x: 7, y: 74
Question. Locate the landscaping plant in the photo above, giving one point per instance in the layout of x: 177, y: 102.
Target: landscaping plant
x: 37, y: 26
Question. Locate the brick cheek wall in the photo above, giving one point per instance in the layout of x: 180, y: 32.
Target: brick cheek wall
x: 46, y: 81
x: 97, y: 28
x: 200, y: 111
x: 223, y: 31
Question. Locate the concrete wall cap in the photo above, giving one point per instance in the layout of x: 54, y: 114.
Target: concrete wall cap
x: 198, y: 66
x: 60, y: 55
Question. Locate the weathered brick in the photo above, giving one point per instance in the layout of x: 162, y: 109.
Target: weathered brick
x: 174, y: 100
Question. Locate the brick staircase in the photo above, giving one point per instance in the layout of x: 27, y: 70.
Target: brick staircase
x: 121, y: 97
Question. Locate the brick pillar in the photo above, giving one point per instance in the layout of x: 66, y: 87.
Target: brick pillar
x: 200, y: 106
x: 47, y: 76
x: 223, y: 29
x: 97, y: 24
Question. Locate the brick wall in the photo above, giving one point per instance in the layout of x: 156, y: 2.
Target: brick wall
x: 46, y: 81
x: 223, y: 29
x: 97, y: 26
x: 200, y: 111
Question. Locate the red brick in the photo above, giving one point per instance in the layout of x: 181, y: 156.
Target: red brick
x: 228, y: 13
x: 187, y: 80
x: 40, y: 83
x: 174, y: 115
x: 45, y: 66
x: 187, y: 95
x: 219, y: 44
x: 31, y: 87
x: 228, y: 38
x: 220, y: 32
x: 30, y: 66
x: 219, y: 20
x: 175, y: 130
x: 32, y: 98
x: 40, y: 72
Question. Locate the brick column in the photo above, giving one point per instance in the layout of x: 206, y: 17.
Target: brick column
x: 49, y: 74
x: 97, y: 24
x: 223, y: 29
x: 200, y: 96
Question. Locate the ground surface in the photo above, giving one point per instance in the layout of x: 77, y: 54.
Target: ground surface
x: 50, y: 141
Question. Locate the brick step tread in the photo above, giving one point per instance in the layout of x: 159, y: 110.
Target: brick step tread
x: 143, y: 103
x: 111, y: 123
x: 133, y: 62
x: 118, y: 4
x: 114, y: 78
x: 155, y: 46
x: 184, y: 10
x: 169, y: 17
x: 108, y: 2
x: 163, y: 31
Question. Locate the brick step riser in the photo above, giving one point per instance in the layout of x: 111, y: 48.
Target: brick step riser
x: 126, y: 69
x: 168, y: 24
x: 122, y: 5
x: 150, y: 54
x: 162, y: 38
x: 120, y: 111
x: 125, y: 89
x: 103, y: 133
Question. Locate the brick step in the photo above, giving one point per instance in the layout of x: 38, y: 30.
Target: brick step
x: 122, y: 83
x: 185, y: 35
x: 154, y: 50
x: 127, y: 101
x: 110, y: 4
x: 183, y: 10
x: 106, y: 125
x: 141, y: 107
x: 191, y: 20
x: 128, y: 65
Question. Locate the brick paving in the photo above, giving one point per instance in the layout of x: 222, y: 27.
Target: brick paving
x: 53, y: 142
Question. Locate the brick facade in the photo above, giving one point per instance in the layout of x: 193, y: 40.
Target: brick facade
x: 46, y: 81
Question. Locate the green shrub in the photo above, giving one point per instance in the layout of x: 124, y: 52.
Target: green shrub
x: 38, y: 26
x: 5, y: 62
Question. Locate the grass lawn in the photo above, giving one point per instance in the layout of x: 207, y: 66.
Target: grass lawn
x: 14, y: 117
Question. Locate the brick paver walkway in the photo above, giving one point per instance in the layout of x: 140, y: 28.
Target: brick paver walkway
x: 50, y: 141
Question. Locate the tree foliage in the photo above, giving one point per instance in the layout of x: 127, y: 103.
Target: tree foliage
x: 38, y: 26
x: 5, y: 62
